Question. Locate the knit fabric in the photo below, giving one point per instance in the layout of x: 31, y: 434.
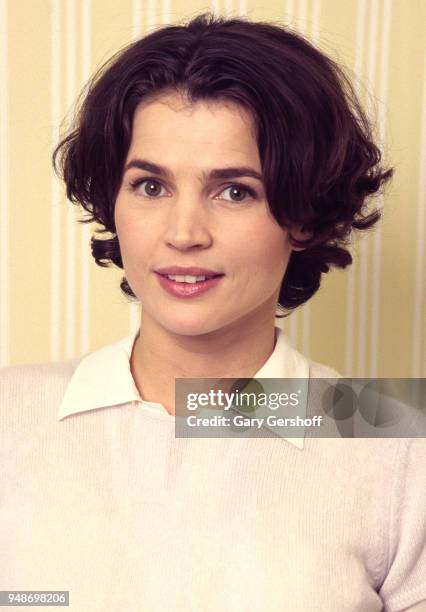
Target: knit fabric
x: 109, y: 505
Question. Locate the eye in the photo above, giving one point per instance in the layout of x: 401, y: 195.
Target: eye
x: 154, y: 186
x: 236, y: 190
x: 152, y: 189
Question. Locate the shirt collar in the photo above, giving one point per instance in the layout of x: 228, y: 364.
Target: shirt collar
x: 103, y: 378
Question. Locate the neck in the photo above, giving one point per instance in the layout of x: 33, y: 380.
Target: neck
x: 160, y: 356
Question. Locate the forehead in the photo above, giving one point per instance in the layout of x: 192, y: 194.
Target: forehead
x: 169, y: 121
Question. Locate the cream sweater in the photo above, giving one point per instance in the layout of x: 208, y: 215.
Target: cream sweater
x: 98, y: 497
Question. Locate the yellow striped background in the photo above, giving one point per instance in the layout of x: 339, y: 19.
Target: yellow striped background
x: 55, y: 303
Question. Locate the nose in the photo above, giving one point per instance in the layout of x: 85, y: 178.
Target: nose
x: 187, y: 223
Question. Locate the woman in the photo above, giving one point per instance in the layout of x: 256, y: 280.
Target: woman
x: 230, y: 161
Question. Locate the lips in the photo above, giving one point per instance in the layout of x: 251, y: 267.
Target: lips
x: 188, y: 290
x: 208, y: 276
x: 188, y: 271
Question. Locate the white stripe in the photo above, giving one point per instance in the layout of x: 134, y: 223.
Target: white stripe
x: 316, y: 21
x: 350, y: 296
x: 151, y: 15
x: 214, y: 7
x: 418, y: 368
x: 289, y: 12
x: 242, y: 7
x: 56, y: 185
x: 4, y: 189
x: 70, y: 287
x: 86, y: 53
x: 136, y: 19
x: 229, y: 8
x: 166, y: 11
x: 303, y: 16
x: 377, y: 238
x: 364, y: 245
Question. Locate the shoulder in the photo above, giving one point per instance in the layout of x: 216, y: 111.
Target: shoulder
x: 33, y: 388
x: 49, y: 373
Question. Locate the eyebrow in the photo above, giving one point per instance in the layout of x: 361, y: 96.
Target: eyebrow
x: 216, y: 173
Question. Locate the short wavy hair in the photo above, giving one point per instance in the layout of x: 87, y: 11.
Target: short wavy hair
x: 319, y: 160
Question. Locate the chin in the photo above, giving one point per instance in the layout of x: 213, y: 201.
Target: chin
x: 190, y: 328
x: 189, y: 324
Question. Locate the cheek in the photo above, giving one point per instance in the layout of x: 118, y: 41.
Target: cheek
x: 131, y: 232
x: 269, y: 255
x: 135, y: 252
x: 122, y: 218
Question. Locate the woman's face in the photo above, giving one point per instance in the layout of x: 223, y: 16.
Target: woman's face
x: 188, y: 218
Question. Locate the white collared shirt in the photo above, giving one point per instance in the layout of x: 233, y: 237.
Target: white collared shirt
x: 104, y: 379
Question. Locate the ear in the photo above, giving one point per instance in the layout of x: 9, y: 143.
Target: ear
x: 298, y: 234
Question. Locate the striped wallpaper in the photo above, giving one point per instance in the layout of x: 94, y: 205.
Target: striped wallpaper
x: 55, y: 303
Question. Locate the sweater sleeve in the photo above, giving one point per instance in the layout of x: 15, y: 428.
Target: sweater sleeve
x: 404, y: 584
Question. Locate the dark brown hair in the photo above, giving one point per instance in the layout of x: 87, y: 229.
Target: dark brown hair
x: 319, y: 161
